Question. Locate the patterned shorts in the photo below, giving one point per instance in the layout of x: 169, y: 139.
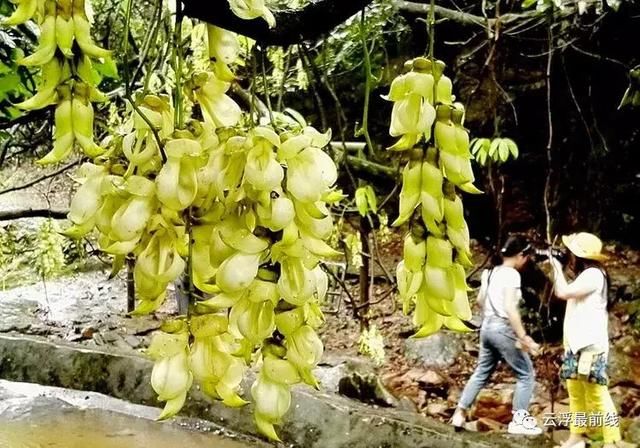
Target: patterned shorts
x: 598, y: 374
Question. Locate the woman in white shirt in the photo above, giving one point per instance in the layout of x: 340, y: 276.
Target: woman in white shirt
x: 586, y: 341
x: 503, y: 337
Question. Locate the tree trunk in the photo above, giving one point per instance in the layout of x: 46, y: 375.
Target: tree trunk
x: 316, y: 18
x: 363, y: 306
x: 131, y: 286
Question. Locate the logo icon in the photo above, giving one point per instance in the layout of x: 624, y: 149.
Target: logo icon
x: 522, y: 417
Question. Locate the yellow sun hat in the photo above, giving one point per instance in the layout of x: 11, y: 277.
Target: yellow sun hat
x: 585, y: 245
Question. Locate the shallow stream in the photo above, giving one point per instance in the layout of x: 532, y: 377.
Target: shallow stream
x: 44, y: 421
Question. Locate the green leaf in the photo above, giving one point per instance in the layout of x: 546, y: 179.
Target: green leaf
x: 614, y: 4
x: 473, y: 146
x: 106, y: 69
x: 526, y: 4
x: 479, y: 143
x: 486, y: 144
x: 116, y: 265
x: 9, y: 82
x: 513, y: 148
x: 482, y: 158
x: 493, y: 149
x: 361, y: 201
x: 11, y: 113
x: 503, y: 150
x: 4, y: 68
x: 372, y: 199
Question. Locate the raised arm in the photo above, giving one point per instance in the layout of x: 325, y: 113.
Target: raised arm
x: 564, y: 290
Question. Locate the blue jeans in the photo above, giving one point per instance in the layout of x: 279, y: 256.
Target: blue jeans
x: 497, y: 341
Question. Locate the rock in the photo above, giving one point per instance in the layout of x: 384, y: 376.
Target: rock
x: 454, y: 394
x: 617, y: 327
x: 88, y: 332
x: 121, y: 344
x: 486, y: 424
x: 40, y: 330
x: 73, y: 335
x: 471, y: 426
x: 440, y: 409
x: 418, y: 384
x: 398, y: 380
x: 439, y: 350
x: 624, y: 362
x: 133, y: 341
x: 98, y: 339
x: 633, y: 431
x: 633, y: 256
x: 430, y: 378
x: 626, y: 399
x: 430, y: 381
x: 366, y: 388
x: 471, y: 348
x: 142, y: 325
x: 405, y: 387
x: 16, y: 313
x: 8, y: 327
x: 407, y: 405
x: 623, y: 444
x: 560, y: 435
x: 494, y: 404
x: 355, y: 378
x: 110, y: 337
x: 24, y: 408
x: 332, y: 368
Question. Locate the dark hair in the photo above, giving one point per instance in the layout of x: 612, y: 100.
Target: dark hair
x: 582, y: 264
x: 514, y: 245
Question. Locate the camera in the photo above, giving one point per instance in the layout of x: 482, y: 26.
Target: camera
x: 540, y: 255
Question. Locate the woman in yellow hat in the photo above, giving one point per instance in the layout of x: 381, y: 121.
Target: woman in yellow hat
x: 586, y: 341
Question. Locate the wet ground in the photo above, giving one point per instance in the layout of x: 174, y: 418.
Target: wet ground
x: 33, y: 416
x: 86, y: 307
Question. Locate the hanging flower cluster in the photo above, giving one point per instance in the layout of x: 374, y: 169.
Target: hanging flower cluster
x: 65, y: 54
x: 431, y: 277
x: 242, y: 211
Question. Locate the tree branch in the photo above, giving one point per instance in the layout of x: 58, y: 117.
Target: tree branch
x: 27, y: 117
x: 247, y: 99
x: 371, y: 170
x: 9, y: 215
x: 461, y: 17
x: 319, y: 17
x: 40, y: 179
x: 292, y: 25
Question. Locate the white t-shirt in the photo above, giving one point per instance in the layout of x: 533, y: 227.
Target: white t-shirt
x: 586, y: 321
x: 493, y: 286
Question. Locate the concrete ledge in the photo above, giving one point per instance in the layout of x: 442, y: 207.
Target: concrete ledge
x: 316, y: 420
x: 25, y: 401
